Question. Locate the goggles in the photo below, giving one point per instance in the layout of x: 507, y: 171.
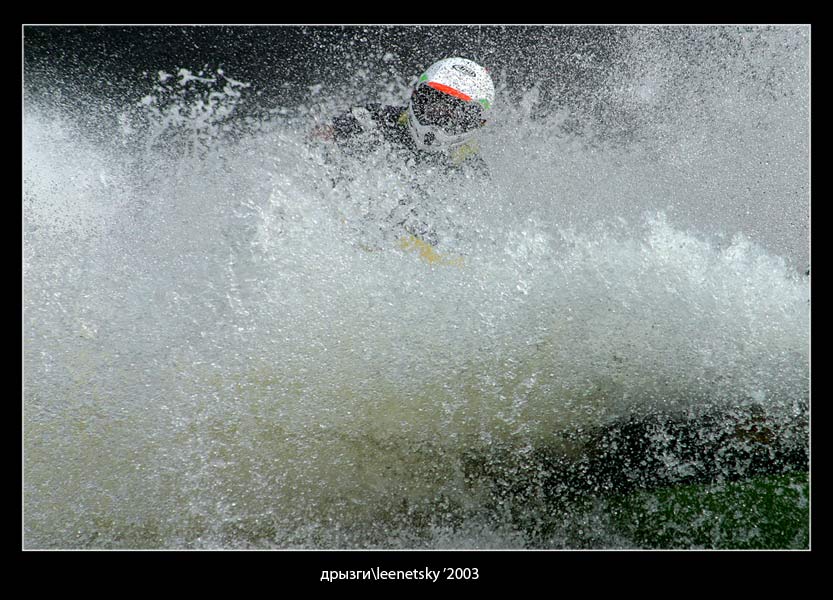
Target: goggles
x: 439, y: 109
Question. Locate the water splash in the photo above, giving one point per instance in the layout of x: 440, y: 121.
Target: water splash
x: 222, y: 348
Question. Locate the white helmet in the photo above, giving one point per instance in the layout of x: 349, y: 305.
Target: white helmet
x: 449, y: 103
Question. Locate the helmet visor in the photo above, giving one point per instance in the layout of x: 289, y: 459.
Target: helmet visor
x: 452, y: 115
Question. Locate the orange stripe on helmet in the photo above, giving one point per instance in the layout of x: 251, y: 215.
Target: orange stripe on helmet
x: 449, y: 90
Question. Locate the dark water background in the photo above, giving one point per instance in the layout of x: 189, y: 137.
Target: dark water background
x: 282, y: 60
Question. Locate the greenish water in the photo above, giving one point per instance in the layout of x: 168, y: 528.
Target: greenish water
x: 761, y: 513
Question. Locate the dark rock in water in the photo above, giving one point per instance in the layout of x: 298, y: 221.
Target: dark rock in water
x: 542, y: 490
x: 649, y: 452
x: 662, y: 450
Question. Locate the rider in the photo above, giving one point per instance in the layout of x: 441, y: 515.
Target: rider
x: 449, y: 104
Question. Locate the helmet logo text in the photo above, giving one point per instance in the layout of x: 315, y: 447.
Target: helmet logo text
x: 464, y: 70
